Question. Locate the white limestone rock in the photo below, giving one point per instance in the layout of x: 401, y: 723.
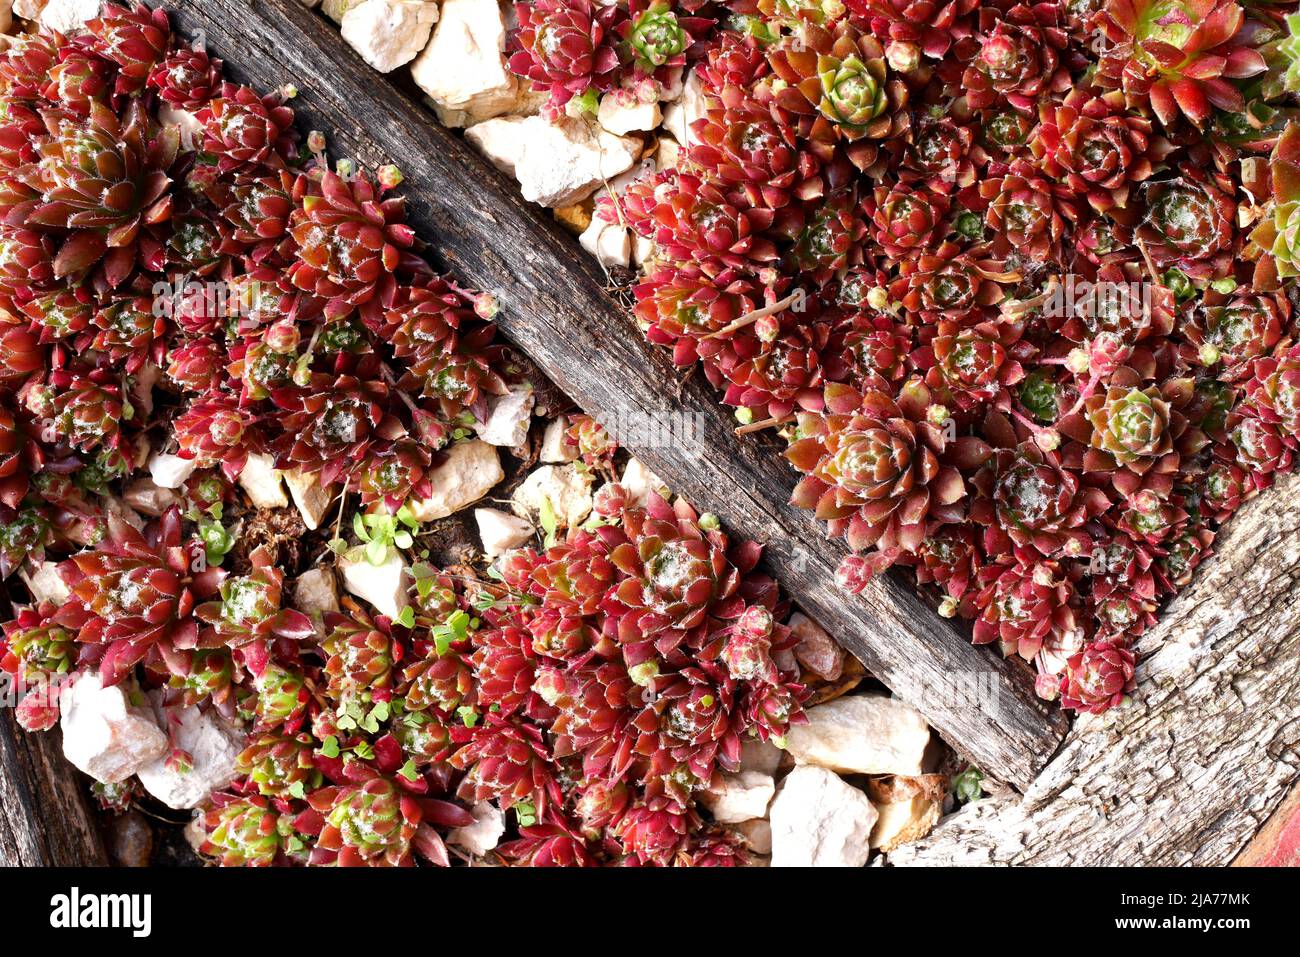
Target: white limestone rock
x: 149, y: 498
x: 556, y: 450
x: 763, y: 756
x: 463, y: 67
x: 468, y: 473
x: 620, y: 114
x: 610, y: 243
x: 683, y: 112
x: 212, y: 747
x: 261, y: 482
x: 170, y: 471
x: 28, y: 9
x: 556, y: 164
x: 315, y: 592
x: 669, y: 155
x: 389, y: 33
x: 384, y: 586
x: 501, y: 531
x: 819, y: 821
x: 313, y: 502
x: 862, y: 734
x: 68, y: 15
x: 45, y: 583
x: 739, y: 796
x: 104, y: 735
x: 484, y: 834
x: 757, y: 834
x: 639, y: 482
x: 508, y: 418
x: 564, y: 486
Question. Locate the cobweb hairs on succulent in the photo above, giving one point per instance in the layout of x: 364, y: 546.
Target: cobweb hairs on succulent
x: 1045, y: 257
x: 593, y: 686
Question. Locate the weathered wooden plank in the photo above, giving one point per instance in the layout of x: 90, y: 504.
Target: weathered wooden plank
x: 555, y: 308
x: 1209, y: 749
x: 45, y: 815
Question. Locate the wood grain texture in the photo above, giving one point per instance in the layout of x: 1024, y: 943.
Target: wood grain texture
x: 45, y: 815
x: 1210, y: 747
x: 555, y: 308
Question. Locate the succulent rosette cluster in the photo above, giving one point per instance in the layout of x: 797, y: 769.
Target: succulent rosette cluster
x: 225, y: 300
x: 1013, y: 281
x: 218, y: 295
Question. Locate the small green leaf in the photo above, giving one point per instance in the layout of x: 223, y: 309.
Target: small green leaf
x: 403, y: 539
x: 380, y: 711
x: 363, y: 750
x: 359, y: 527
x: 408, y: 771
x: 338, y: 546
x: 407, y: 617
x: 546, y: 515
x: 330, y: 747
x: 467, y: 715
x: 376, y: 552
x: 297, y: 790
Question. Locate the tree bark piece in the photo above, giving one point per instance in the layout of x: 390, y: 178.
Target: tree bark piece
x: 46, y: 819
x: 556, y: 308
x: 1207, y: 751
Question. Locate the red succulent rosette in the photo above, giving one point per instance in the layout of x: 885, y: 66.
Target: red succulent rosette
x: 567, y: 47
x: 135, y: 594
x: 1178, y: 57
x: 880, y: 471
x: 1022, y: 602
x: 1098, y: 678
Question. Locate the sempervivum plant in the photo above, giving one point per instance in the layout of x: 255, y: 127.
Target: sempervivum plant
x: 1014, y: 283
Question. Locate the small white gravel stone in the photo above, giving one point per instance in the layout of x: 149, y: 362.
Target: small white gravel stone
x: 384, y: 586
x: 556, y: 450
x: 564, y: 486
x: 501, y: 531
x: 463, y: 67
x: 862, y: 734
x: 757, y: 834
x: 262, y: 482
x: 620, y: 115
x: 639, y: 482
x: 212, y: 746
x: 104, y: 735
x: 313, y: 501
x: 170, y: 471
x: 484, y: 834
x: 68, y: 15
x: 610, y: 243
x: 469, y: 472
x: 689, y: 107
x: 45, y: 583
x: 149, y: 498
x: 316, y: 591
x: 819, y: 821
x: 508, y: 418
x: 739, y: 796
x: 764, y: 756
x: 389, y: 33
x: 556, y: 164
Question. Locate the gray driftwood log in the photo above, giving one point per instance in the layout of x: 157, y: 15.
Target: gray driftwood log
x: 555, y: 307
x: 1207, y: 751
x: 45, y: 814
